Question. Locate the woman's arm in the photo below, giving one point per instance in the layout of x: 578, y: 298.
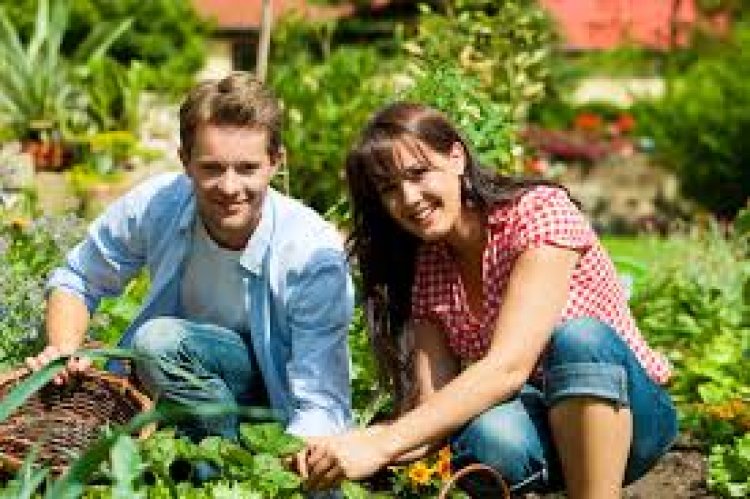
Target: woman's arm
x: 535, y: 297
x: 434, y: 367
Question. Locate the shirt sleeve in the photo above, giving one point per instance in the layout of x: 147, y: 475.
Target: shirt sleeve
x: 109, y: 256
x: 320, y: 310
x: 547, y: 216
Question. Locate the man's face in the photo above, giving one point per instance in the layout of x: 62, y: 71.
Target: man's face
x: 231, y: 169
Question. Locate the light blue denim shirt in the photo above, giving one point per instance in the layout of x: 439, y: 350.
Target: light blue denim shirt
x: 299, y: 286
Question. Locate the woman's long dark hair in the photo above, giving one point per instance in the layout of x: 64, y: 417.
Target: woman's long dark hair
x: 384, y: 251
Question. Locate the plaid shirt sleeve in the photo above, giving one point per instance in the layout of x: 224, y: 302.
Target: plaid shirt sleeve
x: 547, y: 216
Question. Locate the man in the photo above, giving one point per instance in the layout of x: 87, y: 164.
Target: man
x: 250, y: 290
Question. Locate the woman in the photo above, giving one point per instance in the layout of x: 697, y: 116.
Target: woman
x: 499, y: 320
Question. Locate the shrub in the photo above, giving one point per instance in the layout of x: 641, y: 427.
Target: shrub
x: 166, y: 36
x: 701, y: 126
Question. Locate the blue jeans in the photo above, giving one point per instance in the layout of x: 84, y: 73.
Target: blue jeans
x: 585, y: 357
x: 220, y: 359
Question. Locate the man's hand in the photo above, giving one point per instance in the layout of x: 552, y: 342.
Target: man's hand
x: 75, y: 365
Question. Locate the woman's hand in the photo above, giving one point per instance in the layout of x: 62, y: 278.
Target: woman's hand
x: 354, y: 455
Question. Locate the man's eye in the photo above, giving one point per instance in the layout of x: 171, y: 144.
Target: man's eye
x: 211, y: 167
x: 246, y: 168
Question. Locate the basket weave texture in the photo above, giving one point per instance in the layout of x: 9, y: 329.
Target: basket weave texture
x: 63, y: 420
x: 476, y: 469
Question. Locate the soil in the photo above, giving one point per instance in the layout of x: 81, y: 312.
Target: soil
x: 680, y: 474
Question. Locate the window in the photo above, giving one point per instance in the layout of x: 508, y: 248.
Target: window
x: 243, y: 53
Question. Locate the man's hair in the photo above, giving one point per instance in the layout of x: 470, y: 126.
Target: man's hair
x: 239, y: 99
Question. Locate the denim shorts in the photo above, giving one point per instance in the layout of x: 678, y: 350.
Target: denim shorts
x: 585, y: 357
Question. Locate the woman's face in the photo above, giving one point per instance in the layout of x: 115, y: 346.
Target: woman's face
x: 423, y: 193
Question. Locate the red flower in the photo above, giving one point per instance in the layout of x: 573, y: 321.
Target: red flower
x: 587, y: 122
x: 625, y: 123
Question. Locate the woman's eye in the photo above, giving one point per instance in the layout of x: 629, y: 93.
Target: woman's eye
x: 416, y: 172
x: 386, y: 188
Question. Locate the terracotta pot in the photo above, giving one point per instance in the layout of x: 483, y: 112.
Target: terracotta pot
x: 47, y: 156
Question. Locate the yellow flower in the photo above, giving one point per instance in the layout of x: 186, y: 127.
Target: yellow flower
x: 19, y: 223
x: 419, y: 473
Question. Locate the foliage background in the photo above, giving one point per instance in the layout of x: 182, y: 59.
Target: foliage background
x: 166, y: 36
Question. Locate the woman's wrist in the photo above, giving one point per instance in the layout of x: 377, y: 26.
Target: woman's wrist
x: 392, y: 442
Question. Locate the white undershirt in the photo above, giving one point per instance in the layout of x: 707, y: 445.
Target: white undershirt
x: 214, y: 284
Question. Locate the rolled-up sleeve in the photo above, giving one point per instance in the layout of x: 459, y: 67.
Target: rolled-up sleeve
x: 109, y: 256
x: 320, y: 308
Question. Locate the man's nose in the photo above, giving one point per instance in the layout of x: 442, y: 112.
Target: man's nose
x: 229, y: 182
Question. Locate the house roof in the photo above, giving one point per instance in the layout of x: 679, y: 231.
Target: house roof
x: 604, y: 24
x: 246, y: 14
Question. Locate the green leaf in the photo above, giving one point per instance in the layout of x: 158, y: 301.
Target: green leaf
x: 29, y: 387
x: 272, y: 476
x: 127, y: 467
x: 269, y: 438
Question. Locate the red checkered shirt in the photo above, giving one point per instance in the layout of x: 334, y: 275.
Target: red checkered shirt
x: 541, y: 216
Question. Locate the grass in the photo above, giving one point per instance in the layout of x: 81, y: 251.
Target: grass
x: 636, y: 255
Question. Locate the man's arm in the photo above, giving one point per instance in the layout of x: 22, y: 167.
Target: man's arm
x: 320, y: 307
x: 67, y: 320
x: 99, y: 266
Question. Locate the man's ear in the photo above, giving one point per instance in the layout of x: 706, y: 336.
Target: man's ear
x: 279, y: 160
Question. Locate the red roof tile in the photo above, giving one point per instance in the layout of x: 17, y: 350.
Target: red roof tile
x: 603, y: 24
x: 245, y: 14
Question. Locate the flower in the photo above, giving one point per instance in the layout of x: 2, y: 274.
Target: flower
x: 625, y: 123
x: 443, y: 465
x: 587, y: 122
x: 419, y: 473
x: 443, y: 469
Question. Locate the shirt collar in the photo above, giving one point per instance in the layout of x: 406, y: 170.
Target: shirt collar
x: 260, y: 240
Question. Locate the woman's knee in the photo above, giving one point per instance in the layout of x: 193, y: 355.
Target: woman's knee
x: 584, y: 340
x: 504, y: 438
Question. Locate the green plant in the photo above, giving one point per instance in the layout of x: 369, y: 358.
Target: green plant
x: 166, y: 37
x: 506, y: 46
x: 700, y: 126
x: 488, y: 125
x: 694, y: 304
x: 729, y: 468
x: 37, y: 82
x: 326, y: 103
x: 28, y: 252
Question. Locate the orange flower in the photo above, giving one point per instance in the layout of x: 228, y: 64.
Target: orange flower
x: 444, y: 454
x: 443, y: 469
x: 587, y: 122
x: 419, y: 473
x: 625, y: 123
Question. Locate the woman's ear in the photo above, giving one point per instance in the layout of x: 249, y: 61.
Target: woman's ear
x: 457, y: 158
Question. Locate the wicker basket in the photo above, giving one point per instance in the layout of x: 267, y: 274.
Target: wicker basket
x: 63, y: 420
x: 503, y: 490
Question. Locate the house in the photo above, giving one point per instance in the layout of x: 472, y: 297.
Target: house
x: 606, y: 24
x: 235, y: 41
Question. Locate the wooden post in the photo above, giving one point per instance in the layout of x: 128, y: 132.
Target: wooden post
x: 262, y: 66
x: 265, y: 40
